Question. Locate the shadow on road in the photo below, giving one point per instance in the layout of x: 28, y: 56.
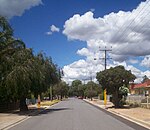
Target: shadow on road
x: 53, y: 110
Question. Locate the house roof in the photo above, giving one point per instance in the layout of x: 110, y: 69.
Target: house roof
x: 146, y: 84
x: 141, y: 85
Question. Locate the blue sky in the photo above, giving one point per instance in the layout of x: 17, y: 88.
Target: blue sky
x: 33, y: 20
x: 34, y: 23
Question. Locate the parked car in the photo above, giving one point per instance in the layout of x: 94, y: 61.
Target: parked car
x: 80, y: 97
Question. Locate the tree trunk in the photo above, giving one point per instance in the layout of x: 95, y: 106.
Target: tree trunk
x: 23, y: 106
x: 49, y: 95
x: 61, y: 97
x: 116, y: 99
x: 91, y: 98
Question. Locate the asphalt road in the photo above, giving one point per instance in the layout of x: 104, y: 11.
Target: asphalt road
x: 75, y: 114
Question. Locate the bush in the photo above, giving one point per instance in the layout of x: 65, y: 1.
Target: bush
x: 135, y: 104
x: 101, y: 96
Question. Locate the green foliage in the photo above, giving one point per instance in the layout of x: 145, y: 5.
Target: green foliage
x: 21, y: 72
x: 61, y: 89
x: 76, y: 83
x: 113, y: 79
x: 76, y: 88
x: 92, y: 89
x: 123, y: 90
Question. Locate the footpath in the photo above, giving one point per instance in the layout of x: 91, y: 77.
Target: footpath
x: 137, y: 115
x: 10, y: 119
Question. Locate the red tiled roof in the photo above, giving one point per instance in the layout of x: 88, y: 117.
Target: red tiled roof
x: 141, y: 85
x: 146, y: 84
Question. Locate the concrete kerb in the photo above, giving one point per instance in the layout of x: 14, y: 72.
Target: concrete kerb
x: 128, y: 118
x: 27, y: 117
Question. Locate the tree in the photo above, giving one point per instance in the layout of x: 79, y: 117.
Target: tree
x: 76, y: 84
x: 113, y: 79
x: 61, y: 89
x: 13, y: 55
x: 21, y: 72
x: 92, y: 89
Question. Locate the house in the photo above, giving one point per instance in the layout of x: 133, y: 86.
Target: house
x: 141, y: 88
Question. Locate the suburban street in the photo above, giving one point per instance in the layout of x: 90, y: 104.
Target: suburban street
x: 75, y: 114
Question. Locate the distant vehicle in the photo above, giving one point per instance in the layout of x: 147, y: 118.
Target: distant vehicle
x: 80, y: 97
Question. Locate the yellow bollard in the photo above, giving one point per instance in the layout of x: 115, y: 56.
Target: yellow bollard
x: 105, y: 98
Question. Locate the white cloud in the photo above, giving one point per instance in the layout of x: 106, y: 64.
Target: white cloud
x: 53, y: 29
x: 146, y: 61
x: 84, y: 52
x: 49, y: 33
x: 126, y: 32
x: 82, y: 70
x: 10, y: 8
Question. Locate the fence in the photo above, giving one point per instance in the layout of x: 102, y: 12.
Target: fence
x: 142, y: 100
x: 135, y: 98
x: 9, y: 106
x: 31, y: 101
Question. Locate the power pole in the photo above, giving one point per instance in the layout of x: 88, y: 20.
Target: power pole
x: 105, y: 58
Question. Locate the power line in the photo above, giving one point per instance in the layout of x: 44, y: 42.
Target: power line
x: 134, y: 29
x: 123, y: 31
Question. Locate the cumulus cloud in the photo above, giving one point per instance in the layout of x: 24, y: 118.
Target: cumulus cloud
x: 53, y: 29
x: 126, y: 32
x: 82, y: 70
x: 84, y: 52
x: 146, y: 61
x: 10, y: 8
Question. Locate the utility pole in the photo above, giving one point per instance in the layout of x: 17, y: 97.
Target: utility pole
x: 105, y: 58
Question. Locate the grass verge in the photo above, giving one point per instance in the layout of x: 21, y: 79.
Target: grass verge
x: 49, y: 103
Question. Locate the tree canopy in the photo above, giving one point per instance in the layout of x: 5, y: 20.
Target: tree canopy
x: 22, y: 72
x: 113, y: 79
x: 92, y: 89
x: 89, y: 90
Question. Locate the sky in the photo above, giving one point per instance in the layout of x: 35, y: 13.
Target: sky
x: 73, y: 33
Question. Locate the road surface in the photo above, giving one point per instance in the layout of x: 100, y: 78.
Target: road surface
x: 75, y: 114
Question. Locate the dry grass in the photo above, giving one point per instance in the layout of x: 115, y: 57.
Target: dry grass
x: 49, y: 103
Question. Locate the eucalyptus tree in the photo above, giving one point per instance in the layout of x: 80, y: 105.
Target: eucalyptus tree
x: 9, y: 47
x: 76, y: 84
x: 61, y: 89
x: 21, y: 72
x: 92, y: 89
x: 18, y: 80
x: 44, y: 73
